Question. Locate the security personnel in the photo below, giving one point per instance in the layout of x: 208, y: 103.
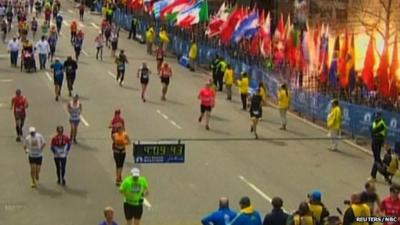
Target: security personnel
x: 193, y: 55
x: 303, y: 216
x: 150, y: 40
x: 378, y: 133
x: 221, y: 67
x: 213, y: 67
x: 317, y: 208
x: 334, y: 124
x: 356, y: 210
x: 132, y: 31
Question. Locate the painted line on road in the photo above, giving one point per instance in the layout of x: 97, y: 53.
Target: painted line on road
x: 147, y: 203
x: 162, y: 114
x: 66, y: 23
x: 48, y: 76
x: 6, y: 80
x: 84, y: 121
x: 167, y: 118
x: 175, y: 125
x: 85, y: 53
x: 256, y: 189
x: 95, y: 26
x: 112, y: 75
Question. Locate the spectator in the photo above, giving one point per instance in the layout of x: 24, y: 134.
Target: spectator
x: 334, y: 123
x: 277, y: 216
x: 369, y: 197
x: 284, y: 103
x: 243, y: 85
x: 193, y: 55
x: 109, y: 217
x: 356, y: 209
x: 248, y: 215
x: 223, y: 216
x: 319, y: 211
x: 390, y: 205
x: 303, y: 216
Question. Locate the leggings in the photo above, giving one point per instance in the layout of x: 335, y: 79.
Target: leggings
x: 61, y: 162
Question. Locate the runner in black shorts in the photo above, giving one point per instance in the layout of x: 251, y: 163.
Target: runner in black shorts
x: 144, y: 75
x: 120, y: 141
x: 165, y: 76
x: 255, y: 111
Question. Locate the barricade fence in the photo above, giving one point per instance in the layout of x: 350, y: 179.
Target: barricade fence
x: 357, y: 119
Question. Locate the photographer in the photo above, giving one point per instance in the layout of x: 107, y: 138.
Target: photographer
x: 356, y: 209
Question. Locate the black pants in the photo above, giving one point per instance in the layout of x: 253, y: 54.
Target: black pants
x: 70, y: 81
x: 120, y: 75
x: 243, y: 97
x: 19, y: 124
x: 132, y: 32
x: 376, y: 150
x: 215, y: 79
x: 60, y: 166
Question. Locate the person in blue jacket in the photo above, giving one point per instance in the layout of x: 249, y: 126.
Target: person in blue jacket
x: 223, y: 216
x: 58, y: 76
x: 248, y: 215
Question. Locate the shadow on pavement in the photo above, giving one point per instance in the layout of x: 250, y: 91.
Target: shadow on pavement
x: 347, y: 154
x: 218, y: 118
x: 221, y: 132
x: 75, y: 191
x: 173, y: 102
x: 130, y: 88
x: 277, y: 143
x: 295, y: 133
x: 42, y: 190
x: 153, y: 102
x: 84, y: 146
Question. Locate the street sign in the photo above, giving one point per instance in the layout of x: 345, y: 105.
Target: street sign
x: 159, y: 152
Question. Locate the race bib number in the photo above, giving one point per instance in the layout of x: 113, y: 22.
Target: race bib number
x: 136, y: 188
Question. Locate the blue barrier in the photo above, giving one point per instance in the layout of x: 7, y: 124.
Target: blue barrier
x: 357, y: 119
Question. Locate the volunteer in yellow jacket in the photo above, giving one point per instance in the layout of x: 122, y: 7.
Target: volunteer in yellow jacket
x: 228, y: 79
x: 243, y: 85
x: 164, y: 38
x: 193, y: 56
x: 334, y: 124
x: 120, y: 141
x: 150, y: 39
x: 283, y: 104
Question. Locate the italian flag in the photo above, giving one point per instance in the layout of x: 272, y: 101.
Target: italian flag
x: 194, y: 14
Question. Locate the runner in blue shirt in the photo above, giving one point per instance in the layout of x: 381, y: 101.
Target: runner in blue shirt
x: 59, y: 20
x: 52, y: 40
x: 58, y: 76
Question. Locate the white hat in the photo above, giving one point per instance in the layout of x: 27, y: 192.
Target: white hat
x: 32, y: 129
x: 135, y: 172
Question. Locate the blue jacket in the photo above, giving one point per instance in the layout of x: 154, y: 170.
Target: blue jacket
x: 247, y: 216
x: 223, y: 216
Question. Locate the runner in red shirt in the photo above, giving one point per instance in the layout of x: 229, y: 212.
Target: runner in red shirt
x: 390, y: 205
x: 116, y: 122
x: 207, y: 99
x: 165, y: 75
x: 19, y: 104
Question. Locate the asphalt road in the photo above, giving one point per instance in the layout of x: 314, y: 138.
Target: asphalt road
x: 179, y: 194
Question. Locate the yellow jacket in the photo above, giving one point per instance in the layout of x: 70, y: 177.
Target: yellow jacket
x: 283, y: 99
x: 150, y: 35
x: 244, y: 85
x: 263, y: 94
x: 228, y: 76
x: 164, y: 38
x: 193, y: 51
x: 334, y: 120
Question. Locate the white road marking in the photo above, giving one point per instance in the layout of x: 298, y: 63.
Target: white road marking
x: 162, y: 114
x: 147, y: 204
x: 70, y: 11
x: 48, y: 76
x: 95, y: 26
x: 6, y: 80
x: 256, y: 189
x: 112, y: 75
x: 175, y: 125
x: 66, y: 23
x: 85, y: 53
x: 84, y: 121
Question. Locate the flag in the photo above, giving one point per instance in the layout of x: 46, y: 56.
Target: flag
x: 193, y: 14
x: 159, y: 6
x: 305, y: 49
x: 369, y: 62
x: 216, y: 22
x: 174, y: 6
x: 136, y: 4
x: 280, y: 30
x: 383, y: 74
x: 394, y: 69
x: 344, y: 57
x: 231, y: 23
x: 265, y: 35
x: 323, y: 57
x: 334, y: 64
x: 247, y: 26
x: 351, y: 65
x: 148, y: 5
x: 255, y: 45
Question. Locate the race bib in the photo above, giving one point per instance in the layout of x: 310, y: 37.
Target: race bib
x: 136, y: 188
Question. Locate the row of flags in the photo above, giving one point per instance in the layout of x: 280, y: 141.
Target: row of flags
x: 183, y: 13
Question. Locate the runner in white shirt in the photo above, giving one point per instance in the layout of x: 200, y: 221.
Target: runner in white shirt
x: 34, y: 145
x: 43, y: 49
x: 99, y: 42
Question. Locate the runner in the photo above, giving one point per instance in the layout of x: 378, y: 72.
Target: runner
x: 3, y: 27
x: 114, y: 42
x: 99, y: 42
x: 78, y: 43
x: 74, y: 29
x: 120, y: 141
x: 55, y: 11
x: 43, y: 49
x: 255, y: 111
x: 47, y: 13
x: 207, y: 99
x: 81, y: 11
x: 121, y: 60
x: 134, y: 188
x: 107, y: 33
x: 58, y: 76
x: 59, y: 21
x: 60, y: 146
x: 45, y: 28
x: 34, y: 27
x: 70, y: 66
x: 52, y: 40
x: 74, y: 110
x: 10, y: 16
x: 160, y: 54
x: 144, y: 74
x: 34, y: 145
x: 165, y: 76
x: 13, y: 48
x: 38, y: 8
x: 19, y: 104
x: 116, y: 122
